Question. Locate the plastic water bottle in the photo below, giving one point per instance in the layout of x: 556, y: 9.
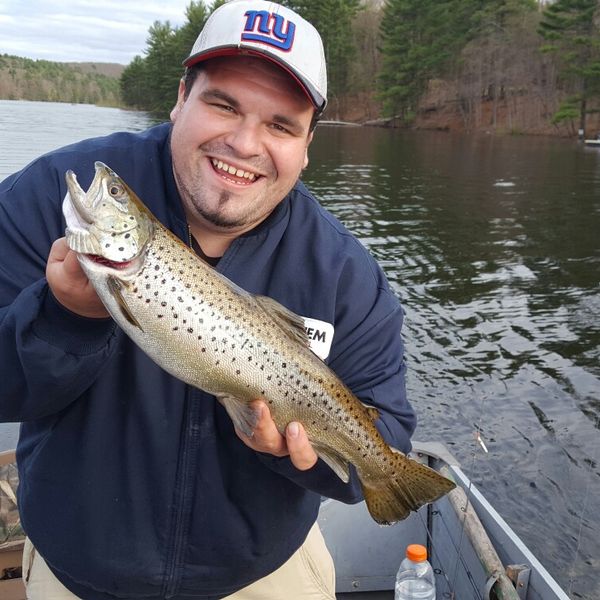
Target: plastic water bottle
x: 415, y: 579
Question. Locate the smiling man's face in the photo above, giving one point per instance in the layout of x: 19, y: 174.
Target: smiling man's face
x: 239, y: 142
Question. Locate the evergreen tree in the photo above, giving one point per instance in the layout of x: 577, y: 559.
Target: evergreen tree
x: 334, y: 20
x: 133, y: 83
x: 162, y: 69
x: 410, y: 32
x: 151, y: 83
x: 571, y: 30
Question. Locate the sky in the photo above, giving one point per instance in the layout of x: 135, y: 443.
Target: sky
x: 83, y: 30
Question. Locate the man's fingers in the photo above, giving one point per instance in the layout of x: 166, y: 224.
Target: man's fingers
x: 70, y: 284
x: 72, y: 266
x: 266, y: 436
x: 60, y: 253
x: 302, y: 454
x: 59, y: 250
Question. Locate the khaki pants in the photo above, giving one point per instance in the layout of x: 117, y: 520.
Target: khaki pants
x: 307, y: 575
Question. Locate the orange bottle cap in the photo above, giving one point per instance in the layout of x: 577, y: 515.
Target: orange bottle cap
x: 416, y: 553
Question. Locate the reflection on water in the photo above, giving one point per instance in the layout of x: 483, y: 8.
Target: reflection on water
x: 32, y: 128
x: 493, y: 246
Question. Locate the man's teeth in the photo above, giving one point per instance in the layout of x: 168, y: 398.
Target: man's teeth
x: 219, y: 164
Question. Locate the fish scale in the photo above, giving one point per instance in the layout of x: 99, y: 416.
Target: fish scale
x: 205, y: 330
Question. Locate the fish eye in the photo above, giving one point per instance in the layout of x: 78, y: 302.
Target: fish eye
x: 114, y: 190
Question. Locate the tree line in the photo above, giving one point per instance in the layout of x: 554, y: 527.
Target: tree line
x: 43, y: 80
x: 505, y: 64
x: 512, y: 56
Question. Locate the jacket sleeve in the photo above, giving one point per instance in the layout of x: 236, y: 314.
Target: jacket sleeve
x: 368, y: 355
x: 48, y: 355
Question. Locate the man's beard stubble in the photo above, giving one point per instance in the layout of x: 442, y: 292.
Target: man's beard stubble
x: 194, y: 202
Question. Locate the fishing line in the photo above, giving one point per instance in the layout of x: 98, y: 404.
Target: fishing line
x: 585, y: 505
x: 456, y: 549
x: 468, y: 492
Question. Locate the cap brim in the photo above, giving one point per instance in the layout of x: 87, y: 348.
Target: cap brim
x: 314, y: 97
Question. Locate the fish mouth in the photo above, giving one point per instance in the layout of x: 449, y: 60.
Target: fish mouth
x: 83, y: 208
x: 111, y: 264
x: 121, y: 269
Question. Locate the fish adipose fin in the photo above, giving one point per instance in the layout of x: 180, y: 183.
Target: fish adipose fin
x: 411, y: 486
x: 290, y: 323
x: 115, y: 287
x: 372, y: 412
x: 244, y: 416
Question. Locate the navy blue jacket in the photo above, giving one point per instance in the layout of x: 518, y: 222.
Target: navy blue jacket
x: 134, y: 485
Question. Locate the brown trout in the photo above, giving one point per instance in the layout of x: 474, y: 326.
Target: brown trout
x: 208, y: 332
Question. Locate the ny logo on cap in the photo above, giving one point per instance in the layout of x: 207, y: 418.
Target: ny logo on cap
x: 268, y: 28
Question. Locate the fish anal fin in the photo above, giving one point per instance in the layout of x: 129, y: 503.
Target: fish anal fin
x: 289, y: 322
x: 409, y: 486
x: 116, y: 290
x: 335, y: 462
x: 243, y: 415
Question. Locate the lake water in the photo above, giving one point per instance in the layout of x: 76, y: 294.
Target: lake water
x: 493, y: 245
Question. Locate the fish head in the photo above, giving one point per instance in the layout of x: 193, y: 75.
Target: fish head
x: 107, y: 226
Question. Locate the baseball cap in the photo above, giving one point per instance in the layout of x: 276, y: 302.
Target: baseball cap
x: 271, y: 31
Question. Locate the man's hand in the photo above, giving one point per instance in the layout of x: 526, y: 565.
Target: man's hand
x: 267, y: 439
x: 69, y: 283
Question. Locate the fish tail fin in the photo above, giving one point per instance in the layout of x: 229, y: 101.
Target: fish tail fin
x: 409, y: 486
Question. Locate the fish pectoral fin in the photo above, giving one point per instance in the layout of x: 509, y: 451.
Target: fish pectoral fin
x: 289, y: 322
x: 244, y: 416
x: 115, y: 289
x: 335, y: 462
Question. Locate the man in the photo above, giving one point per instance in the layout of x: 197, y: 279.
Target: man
x: 134, y: 485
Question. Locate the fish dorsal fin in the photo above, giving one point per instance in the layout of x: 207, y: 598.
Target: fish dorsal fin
x: 115, y: 288
x: 372, y: 412
x: 337, y: 464
x: 289, y: 322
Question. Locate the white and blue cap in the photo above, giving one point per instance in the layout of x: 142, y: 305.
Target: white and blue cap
x: 271, y: 31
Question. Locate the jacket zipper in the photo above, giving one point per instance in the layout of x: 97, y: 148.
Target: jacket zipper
x: 182, y: 498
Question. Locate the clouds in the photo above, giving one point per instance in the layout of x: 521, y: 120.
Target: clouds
x: 83, y: 30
